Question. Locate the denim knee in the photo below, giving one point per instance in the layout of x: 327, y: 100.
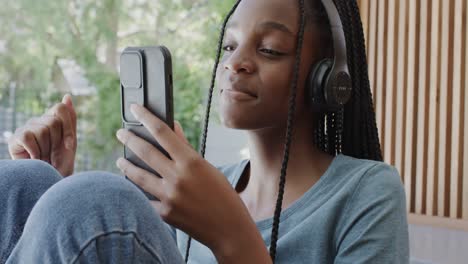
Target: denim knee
x: 26, y: 178
x: 84, y: 207
x: 90, y: 196
x: 22, y: 183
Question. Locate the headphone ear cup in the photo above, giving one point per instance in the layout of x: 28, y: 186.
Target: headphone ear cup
x: 317, y: 82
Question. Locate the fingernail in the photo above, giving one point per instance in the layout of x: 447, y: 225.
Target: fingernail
x: 69, y: 143
x: 119, y: 134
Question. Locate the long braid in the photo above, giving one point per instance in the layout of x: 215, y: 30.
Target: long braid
x: 210, y: 96
x: 374, y: 143
x: 364, y: 119
x: 319, y: 128
x: 289, y: 131
x: 332, y: 136
x: 354, y: 109
x: 361, y: 115
x: 360, y: 137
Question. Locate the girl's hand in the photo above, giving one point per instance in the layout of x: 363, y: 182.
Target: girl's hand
x: 194, y: 196
x: 50, y: 137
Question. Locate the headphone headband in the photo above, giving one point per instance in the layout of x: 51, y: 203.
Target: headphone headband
x: 339, y: 41
x: 338, y: 86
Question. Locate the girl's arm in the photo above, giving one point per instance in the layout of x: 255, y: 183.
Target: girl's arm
x: 195, y: 197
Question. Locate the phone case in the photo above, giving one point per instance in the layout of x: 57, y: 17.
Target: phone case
x: 146, y: 79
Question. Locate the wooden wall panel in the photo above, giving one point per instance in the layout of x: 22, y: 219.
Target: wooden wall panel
x: 400, y: 85
x: 444, y: 177
x: 421, y: 116
x: 465, y: 113
x: 455, y: 166
x: 433, y: 110
x: 417, y: 55
x: 409, y: 173
x: 390, y: 80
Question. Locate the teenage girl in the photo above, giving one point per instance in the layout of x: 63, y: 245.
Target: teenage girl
x: 314, y: 190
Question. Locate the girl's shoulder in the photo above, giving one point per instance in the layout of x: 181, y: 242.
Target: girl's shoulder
x: 375, y: 205
x: 369, y: 171
x: 343, y: 171
x: 367, y: 184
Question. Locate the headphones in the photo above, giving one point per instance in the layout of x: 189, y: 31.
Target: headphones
x: 329, y: 83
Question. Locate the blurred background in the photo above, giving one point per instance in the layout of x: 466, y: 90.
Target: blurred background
x: 417, y: 54
x: 49, y: 48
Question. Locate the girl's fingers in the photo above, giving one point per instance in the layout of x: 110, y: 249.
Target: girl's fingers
x: 42, y: 135
x: 55, y: 131
x: 67, y: 100
x: 180, y: 132
x: 62, y: 112
x: 146, y: 151
x: 161, y: 132
x: 24, y: 140
x: 146, y: 180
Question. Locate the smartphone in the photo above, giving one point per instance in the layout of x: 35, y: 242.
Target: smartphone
x: 146, y: 79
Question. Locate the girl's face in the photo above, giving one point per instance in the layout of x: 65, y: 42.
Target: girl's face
x: 255, y: 72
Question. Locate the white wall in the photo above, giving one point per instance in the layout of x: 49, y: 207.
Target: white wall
x: 225, y: 146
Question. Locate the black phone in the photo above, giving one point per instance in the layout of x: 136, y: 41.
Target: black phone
x: 146, y: 79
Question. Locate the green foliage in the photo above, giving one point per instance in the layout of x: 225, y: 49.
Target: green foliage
x: 92, y: 33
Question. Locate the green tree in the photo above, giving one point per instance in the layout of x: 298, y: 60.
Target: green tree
x: 35, y: 34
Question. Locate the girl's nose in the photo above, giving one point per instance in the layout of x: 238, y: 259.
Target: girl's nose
x: 240, y: 62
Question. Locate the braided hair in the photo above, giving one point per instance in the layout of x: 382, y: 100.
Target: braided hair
x: 350, y: 130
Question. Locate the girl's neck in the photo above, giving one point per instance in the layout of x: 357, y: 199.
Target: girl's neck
x: 258, y: 186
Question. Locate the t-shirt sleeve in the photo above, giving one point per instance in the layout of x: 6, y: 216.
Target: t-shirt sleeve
x: 375, y: 228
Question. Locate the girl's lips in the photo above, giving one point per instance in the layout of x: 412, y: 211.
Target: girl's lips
x: 240, y: 86
x: 237, y: 95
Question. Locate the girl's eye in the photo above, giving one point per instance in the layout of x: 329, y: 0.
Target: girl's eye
x: 228, y: 48
x: 271, y: 52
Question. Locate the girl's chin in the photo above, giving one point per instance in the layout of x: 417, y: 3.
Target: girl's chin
x: 236, y: 122
x: 239, y: 114
x: 230, y: 122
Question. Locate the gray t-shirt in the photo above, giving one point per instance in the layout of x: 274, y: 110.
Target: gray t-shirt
x: 355, y: 213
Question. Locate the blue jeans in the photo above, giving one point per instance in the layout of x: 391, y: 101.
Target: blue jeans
x: 92, y: 217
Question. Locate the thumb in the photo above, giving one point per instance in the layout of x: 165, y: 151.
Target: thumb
x: 67, y: 100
